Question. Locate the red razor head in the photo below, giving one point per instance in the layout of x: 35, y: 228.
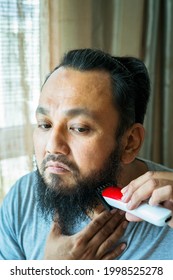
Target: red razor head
x: 112, y: 192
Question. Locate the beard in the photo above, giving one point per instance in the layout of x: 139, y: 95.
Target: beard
x: 68, y: 206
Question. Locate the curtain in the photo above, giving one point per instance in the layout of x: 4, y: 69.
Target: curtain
x: 141, y: 28
x: 108, y: 25
x: 159, y: 60
x: 167, y: 62
x: 19, y: 87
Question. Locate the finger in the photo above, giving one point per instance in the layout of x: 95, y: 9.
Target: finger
x: 161, y: 194
x: 169, y: 205
x: 164, y: 177
x: 132, y: 218
x: 142, y: 193
x: 109, y: 227
x: 115, y: 253
x: 170, y: 224
x: 96, y: 224
x: 135, y: 184
x: 112, y: 239
x: 140, y: 189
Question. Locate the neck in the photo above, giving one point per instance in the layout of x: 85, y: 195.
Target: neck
x: 132, y: 171
x: 128, y: 173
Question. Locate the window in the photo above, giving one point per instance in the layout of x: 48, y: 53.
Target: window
x: 19, y: 87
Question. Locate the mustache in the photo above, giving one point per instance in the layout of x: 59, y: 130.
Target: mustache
x: 61, y: 159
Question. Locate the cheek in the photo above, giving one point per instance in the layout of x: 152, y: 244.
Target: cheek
x: 39, y: 147
x: 93, y: 155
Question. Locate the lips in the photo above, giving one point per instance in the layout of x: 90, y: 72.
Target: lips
x: 57, y: 167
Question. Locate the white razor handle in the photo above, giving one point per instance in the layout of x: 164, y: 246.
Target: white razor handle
x: 156, y: 215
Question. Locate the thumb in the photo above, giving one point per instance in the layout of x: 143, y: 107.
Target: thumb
x: 132, y: 218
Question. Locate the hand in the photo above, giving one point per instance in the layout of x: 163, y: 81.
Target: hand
x: 95, y: 242
x: 155, y: 186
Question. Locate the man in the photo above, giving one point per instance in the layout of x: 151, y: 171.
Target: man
x: 89, y: 132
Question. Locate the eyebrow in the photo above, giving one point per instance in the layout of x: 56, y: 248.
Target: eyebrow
x: 80, y: 111
x: 70, y: 113
x: 42, y: 110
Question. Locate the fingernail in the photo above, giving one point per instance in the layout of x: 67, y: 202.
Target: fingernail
x: 125, y: 196
x: 114, y: 210
x: 124, y: 189
x: 123, y: 246
x: 151, y: 201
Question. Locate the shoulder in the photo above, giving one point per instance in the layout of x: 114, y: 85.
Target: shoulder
x: 21, y: 189
x: 21, y: 222
x: 19, y: 199
x: 15, y: 209
x: 153, y: 166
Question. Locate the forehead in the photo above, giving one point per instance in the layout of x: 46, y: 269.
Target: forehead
x: 67, y: 87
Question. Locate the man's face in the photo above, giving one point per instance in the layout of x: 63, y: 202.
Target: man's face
x: 77, y: 122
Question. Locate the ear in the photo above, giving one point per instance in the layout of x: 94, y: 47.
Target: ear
x: 132, y: 142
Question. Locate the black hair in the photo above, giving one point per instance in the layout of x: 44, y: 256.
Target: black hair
x: 130, y: 81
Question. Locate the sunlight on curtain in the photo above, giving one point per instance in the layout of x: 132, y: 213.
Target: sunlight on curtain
x: 19, y: 87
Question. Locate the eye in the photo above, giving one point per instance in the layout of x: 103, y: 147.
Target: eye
x: 80, y: 129
x: 44, y: 126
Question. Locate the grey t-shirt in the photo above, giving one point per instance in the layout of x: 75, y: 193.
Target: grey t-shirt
x: 23, y: 231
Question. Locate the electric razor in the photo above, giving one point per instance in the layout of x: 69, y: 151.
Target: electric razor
x: 156, y: 215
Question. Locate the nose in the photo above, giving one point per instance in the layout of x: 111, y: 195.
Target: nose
x: 57, y: 142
